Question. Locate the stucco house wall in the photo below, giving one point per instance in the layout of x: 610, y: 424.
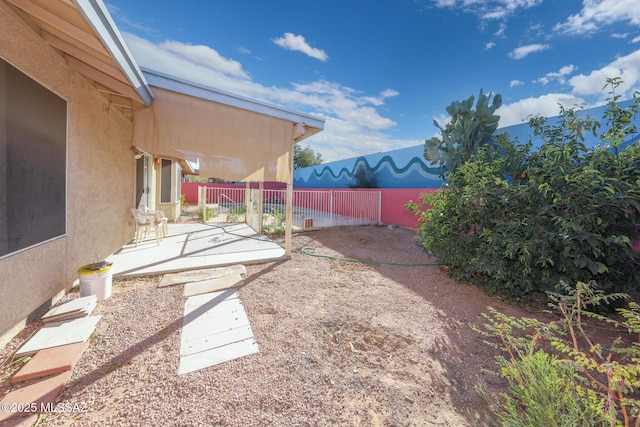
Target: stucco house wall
x: 100, y: 183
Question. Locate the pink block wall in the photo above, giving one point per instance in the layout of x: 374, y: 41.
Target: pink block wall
x: 393, y: 201
x: 190, y: 189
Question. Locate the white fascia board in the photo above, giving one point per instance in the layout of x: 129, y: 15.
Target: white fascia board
x: 97, y: 15
x: 175, y: 84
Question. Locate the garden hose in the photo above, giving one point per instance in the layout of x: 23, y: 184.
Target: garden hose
x: 312, y: 252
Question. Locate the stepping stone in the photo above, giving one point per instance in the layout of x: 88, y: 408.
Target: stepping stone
x: 207, y: 326
x: 210, y: 299
x: 51, y: 361
x: 189, y: 346
x: 199, y: 275
x: 79, y: 307
x: 211, y: 285
x: 217, y: 355
x: 216, y: 308
x: 40, y: 393
x: 60, y: 333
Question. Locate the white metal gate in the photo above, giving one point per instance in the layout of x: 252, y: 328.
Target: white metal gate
x: 311, y: 208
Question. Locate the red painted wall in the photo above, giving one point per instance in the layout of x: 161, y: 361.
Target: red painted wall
x: 393, y: 200
x: 190, y: 189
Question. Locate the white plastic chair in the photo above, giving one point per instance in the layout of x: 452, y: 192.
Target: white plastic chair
x: 144, y: 222
x: 159, y: 218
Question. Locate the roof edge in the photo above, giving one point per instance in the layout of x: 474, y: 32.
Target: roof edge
x: 97, y: 15
x: 176, y: 84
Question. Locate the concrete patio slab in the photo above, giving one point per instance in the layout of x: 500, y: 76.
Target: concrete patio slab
x: 213, y: 340
x: 233, y: 280
x: 215, y: 329
x: 39, y: 393
x: 200, y: 275
x: 210, y: 299
x: 229, y: 306
x: 60, y: 333
x: 51, y: 361
x: 79, y: 307
x: 217, y: 355
x: 195, y: 246
x: 213, y: 324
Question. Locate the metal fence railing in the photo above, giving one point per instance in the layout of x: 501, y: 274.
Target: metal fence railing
x: 311, y: 208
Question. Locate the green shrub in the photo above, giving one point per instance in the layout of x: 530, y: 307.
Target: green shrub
x: 517, y: 220
x: 205, y: 213
x: 275, y: 222
x: 236, y: 212
x: 557, y: 375
x: 542, y: 392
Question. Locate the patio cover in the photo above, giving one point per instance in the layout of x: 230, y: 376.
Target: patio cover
x: 248, y: 141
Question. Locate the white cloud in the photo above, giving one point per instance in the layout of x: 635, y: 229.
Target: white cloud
x: 488, y: 9
x: 514, y: 83
x: 353, y: 124
x: 558, y: 76
x: 295, y: 42
x: 599, y: 13
x: 545, y: 105
x: 389, y: 93
x: 523, y: 51
x: 626, y: 67
x: 205, y: 56
x: 619, y: 35
x: 489, y: 45
x: 343, y: 139
x: 635, y: 39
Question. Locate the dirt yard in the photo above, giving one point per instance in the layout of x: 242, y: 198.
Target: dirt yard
x: 341, y: 344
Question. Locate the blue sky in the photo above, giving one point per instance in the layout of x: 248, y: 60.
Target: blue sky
x: 380, y: 71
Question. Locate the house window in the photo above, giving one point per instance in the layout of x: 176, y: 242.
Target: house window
x: 165, y: 181
x: 33, y: 162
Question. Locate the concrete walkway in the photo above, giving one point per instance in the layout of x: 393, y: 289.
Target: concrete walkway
x: 192, y: 246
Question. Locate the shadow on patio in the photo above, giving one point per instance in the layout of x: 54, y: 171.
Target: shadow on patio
x: 192, y: 246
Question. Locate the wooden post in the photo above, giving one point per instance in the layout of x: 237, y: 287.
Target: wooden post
x: 289, y: 207
x: 289, y: 221
x: 260, y: 206
x: 247, y: 203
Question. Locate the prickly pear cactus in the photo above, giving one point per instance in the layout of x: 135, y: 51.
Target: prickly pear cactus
x: 467, y: 131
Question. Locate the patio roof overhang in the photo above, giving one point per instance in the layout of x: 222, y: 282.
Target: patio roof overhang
x: 232, y: 137
x: 83, y: 33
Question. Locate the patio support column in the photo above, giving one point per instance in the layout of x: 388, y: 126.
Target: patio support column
x: 288, y: 220
x: 247, y: 203
x: 260, y: 206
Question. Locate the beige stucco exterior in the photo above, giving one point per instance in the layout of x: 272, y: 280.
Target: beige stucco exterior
x: 105, y: 97
x: 100, y: 182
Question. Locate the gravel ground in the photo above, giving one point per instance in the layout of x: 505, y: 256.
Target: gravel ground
x: 341, y: 344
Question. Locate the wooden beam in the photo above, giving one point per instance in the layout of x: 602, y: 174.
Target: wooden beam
x: 104, y: 79
x: 84, y: 56
x: 60, y: 24
x: 121, y: 101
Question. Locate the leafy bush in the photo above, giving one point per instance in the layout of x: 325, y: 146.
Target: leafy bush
x: 517, y: 220
x: 557, y: 375
x: 205, y: 212
x: 274, y: 223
